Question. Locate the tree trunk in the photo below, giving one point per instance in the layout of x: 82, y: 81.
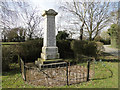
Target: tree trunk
x: 30, y: 36
x: 90, y: 36
x: 81, y: 31
x: 81, y: 34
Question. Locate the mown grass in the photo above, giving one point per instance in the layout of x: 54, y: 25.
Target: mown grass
x: 7, y: 44
x: 13, y: 79
x: 107, y: 56
x: 105, y: 74
x: 10, y: 43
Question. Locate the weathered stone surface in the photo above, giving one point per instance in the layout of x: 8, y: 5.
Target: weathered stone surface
x: 50, y: 12
x: 49, y: 49
x: 49, y: 53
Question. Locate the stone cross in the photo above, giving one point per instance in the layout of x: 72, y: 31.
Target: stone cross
x: 49, y: 49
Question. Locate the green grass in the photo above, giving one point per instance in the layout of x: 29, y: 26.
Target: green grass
x: 106, y: 76
x: 13, y: 79
x: 10, y: 43
x: 7, y: 44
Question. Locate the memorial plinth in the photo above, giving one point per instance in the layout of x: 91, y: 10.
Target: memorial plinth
x: 49, y: 49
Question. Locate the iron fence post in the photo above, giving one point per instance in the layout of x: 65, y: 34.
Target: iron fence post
x: 88, y: 70
x: 19, y: 62
x: 67, y: 72
x: 24, y: 71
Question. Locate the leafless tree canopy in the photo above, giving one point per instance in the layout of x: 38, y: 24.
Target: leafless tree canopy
x: 91, y: 17
x: 20, y: 14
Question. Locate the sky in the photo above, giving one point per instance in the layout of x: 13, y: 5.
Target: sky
x: 45, y: 4
x: 50, y: 4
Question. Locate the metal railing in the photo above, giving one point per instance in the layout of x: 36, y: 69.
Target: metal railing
x: 66, y: 74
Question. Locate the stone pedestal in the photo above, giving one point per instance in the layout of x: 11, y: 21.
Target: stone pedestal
x: 49, y: 49
x: 49, y: 53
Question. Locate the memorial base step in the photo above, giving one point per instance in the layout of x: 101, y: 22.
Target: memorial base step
x: 50, y: 63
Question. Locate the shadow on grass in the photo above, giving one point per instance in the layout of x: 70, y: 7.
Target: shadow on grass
x: 106, y: 54
x: 111, y: 75
x: 109, y: 60
x: 106, y: 57
x: 11, y: 72
x: 109, y: 70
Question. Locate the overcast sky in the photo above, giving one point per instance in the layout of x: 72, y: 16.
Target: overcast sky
x: 45, y: 4
x: 53, y: 4
x: 50, y: 4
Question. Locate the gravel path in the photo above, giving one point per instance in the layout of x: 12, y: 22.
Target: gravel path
x: 111, y: 50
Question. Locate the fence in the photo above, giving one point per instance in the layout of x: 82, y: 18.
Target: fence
x: 23, y: 69
x: 53, y: 75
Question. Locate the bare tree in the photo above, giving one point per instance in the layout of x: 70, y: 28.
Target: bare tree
x: 76, y: 8
x: 31, y: 18
x: 20, y: 14
x: 114, y: 13
x: 8, y: 17
x: 92, y: 17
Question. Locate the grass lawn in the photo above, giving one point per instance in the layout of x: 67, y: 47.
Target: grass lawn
x: 7, y: 44
x: 106, y: 76
x: 10, y: 43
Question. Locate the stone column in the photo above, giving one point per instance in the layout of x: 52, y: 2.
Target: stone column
x: 49, y: 49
